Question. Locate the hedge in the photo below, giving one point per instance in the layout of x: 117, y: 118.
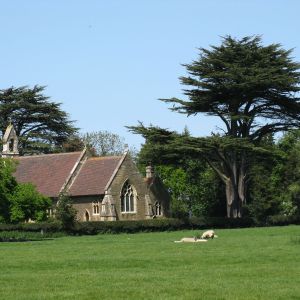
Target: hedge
x: 153, y: 225
x: 280, y: 220
x: 33, y: 227
x: 24, y: 236
x: 129, y: 226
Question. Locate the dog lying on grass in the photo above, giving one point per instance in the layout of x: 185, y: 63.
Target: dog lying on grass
x: 209, y: 234
x: 190, y: 240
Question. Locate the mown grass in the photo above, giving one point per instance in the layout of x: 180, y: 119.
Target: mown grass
x: 257, y: 263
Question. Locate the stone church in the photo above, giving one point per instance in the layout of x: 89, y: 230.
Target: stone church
x: 101, y: 188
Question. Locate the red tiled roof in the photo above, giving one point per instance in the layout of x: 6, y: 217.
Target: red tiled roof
x: 47, y: 172
x: 94, y: 176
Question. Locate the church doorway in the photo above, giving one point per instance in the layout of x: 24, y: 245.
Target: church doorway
x: 87, y: 216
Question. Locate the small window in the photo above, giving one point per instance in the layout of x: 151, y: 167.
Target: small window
x: 158, y: 209
x: 11, y: 145
x: 128, y: 198
x: 96, y: 209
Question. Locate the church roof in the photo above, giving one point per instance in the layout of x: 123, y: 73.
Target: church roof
x: 50, y: 173
x: 94, y: 176
x: 47, y: 172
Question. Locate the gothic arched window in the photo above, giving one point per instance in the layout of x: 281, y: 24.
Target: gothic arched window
x: 96, y: 210
x: 128, y: 197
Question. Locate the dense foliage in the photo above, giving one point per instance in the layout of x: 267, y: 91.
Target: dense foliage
x: 275, y: 181
x: 27, y: 204
x: 253, y: 89
x: 273, y: 195
x: 40, y: 124
x: 194, y: 188
x: 19, y: 202
x: 65, y: 212
x: 7, y: 187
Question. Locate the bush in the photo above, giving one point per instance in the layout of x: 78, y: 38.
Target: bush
x: 27, y: 203
x: 66, y: 213
x: 219, y: 222
x: 281, y: 220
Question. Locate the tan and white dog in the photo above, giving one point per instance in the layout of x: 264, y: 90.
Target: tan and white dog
x: 209, y: 234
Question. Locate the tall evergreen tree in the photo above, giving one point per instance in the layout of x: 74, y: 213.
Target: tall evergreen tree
x: 40, y: 124
x: 253, y: 89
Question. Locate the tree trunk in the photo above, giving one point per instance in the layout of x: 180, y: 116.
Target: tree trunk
x: 233, y: 173
x: 233, y: 200
x: 236, y: 192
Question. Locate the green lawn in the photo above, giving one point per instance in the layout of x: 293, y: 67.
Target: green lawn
x: 258, y: 263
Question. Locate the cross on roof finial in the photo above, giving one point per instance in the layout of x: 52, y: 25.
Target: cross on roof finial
x: 9, y: 120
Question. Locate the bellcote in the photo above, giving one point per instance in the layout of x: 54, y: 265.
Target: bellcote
x: 10, y: 142
x: 149, y: 172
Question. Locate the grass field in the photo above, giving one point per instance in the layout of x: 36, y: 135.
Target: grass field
x: 258, y: 263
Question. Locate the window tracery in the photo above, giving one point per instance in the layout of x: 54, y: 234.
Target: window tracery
x: 128, y: 198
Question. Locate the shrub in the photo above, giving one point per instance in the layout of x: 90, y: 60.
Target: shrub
x: 65, y: 212
x: 26, y: 203
x: 281, y: 220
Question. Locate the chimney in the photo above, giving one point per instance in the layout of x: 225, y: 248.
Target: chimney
x: 149, y: 172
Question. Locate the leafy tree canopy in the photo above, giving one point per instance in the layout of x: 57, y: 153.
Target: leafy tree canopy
x: 99, y: 143
x: 19, y: 202
x: 104, y: 142
x: 40, y: 124
x: 245, y: 84
x: 28, y: 204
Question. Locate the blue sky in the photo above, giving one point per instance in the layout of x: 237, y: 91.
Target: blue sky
x: 109, y: 61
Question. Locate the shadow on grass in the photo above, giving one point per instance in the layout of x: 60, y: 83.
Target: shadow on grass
x: 16, y: 240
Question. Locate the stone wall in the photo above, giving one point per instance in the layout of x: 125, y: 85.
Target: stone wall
x: 128, y: 171
x: 159, y: 193
x: 84, y: 204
